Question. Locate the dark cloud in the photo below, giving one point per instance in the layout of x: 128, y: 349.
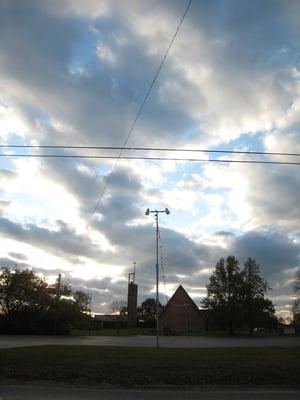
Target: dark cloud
x: 273, y: 250
x: 98, y: 105
x: 38, y: 54
x: 37, y: 46
x: 64, y: 242
x: 273, y: 195
x: 84, y: 184
x: 7, y: 262
x: 18, y: 256
x: 87, y: 185
x: 224, y: 234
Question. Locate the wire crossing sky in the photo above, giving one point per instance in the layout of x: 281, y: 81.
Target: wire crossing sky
x: 148, y: 149
x: 140, y: 110
x: 216, y: 160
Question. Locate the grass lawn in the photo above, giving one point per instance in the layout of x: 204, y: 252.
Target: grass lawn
x: 124, y: 366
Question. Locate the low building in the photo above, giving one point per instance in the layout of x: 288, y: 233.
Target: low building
x: 181, y: 315
x: 109, y: 321
x: 289, y: 330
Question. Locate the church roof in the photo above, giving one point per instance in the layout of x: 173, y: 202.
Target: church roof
x: 180, y: 298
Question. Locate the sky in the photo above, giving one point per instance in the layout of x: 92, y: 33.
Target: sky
x: 75, y: 73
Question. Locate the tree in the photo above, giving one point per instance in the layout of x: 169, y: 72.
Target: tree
x: 83, y: 300
x: 147, y: 312
x: 254, y: 291
x: 296, y: 306
x: 29, y: 305
x: 296, y: 312
x: 297, y: 281
x: 223, y: 291
x: 119, y: 307
x: 21, y: 289
x: 238, y: 296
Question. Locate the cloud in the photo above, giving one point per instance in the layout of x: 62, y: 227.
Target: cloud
x: 6, y: 174
x: 6, y: 262
x: 74, y: 73
x: 273, y: 250
x: 276, y: 195
x: 18, y: 256
x: 63, y: 241
x: 3, y: 205
x: 195, y: 86
x: 87, y: 186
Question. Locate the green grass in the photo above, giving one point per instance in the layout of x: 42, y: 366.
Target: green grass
x: 123, y: 366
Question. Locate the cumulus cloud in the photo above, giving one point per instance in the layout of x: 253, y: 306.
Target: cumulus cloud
x: 74, y: 73
x: 275, y: 251
x: 63, y: 241
x: 211, y: 84
x: 18, y: 256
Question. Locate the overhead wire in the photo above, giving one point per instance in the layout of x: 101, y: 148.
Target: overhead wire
x: 107, y: 182
x: 121, y: 157
x: 132, y: 127
x: 165, y: 149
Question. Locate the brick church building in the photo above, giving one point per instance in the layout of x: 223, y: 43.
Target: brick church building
x: 181, y: 315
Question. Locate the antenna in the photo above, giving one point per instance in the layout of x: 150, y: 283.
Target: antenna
x: 131, y: 275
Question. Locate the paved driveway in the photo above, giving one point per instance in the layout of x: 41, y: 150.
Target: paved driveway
x: 147, y: 341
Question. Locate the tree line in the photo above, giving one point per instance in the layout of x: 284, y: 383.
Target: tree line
x: 29, y: 305
x: 235, y: 299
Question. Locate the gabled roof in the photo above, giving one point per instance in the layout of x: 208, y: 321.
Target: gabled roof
x: 180, y: 298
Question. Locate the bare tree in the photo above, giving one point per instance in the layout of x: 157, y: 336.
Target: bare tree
x: 119, y: 308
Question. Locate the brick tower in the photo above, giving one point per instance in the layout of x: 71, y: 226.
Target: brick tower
x: 132, y: 300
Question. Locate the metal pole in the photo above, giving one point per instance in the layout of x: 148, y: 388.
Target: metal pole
x: 157, y: 281
x: 155, y: 212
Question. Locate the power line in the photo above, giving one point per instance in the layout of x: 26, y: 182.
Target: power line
x: 101, y: 194
x: 166, y: 149
x: 120, y: 157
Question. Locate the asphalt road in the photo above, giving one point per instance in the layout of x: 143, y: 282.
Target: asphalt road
x: 51, y: 392
x: 7, y: 341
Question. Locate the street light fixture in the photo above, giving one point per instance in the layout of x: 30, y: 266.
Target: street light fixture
x: 156, y: 212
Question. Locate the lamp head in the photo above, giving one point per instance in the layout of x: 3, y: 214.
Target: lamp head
x: 147, y: 211
x: 167, y: 211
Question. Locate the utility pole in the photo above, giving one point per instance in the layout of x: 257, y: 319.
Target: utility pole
x: 57, y: 303
x: 156, y: 212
